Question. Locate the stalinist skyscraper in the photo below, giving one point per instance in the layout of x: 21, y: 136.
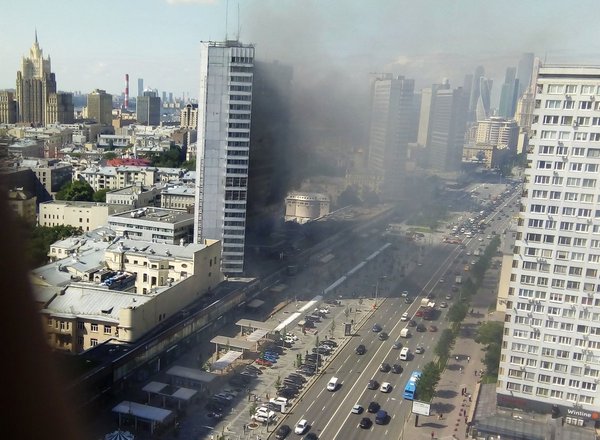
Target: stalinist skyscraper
x: 37, y: 100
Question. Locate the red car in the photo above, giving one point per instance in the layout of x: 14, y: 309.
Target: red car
x: 264, y: 362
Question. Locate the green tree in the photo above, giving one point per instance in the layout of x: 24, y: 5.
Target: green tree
x: 457, y: 312
x: 492, y: 359
x: 445, y: 343
x: 490, y: 332
x: 37, y: 241
x: 77, y: 190
x: 109, y: 155
x: 426, y: 384
x: 172, y: 158
x: 100, y: 195
x: 189, y: 165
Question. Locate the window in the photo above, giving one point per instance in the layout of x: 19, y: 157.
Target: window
x: 107, y: 329
x: 94, y: 327
x: 553, y: 103
x: 93, y: 342
x: 554, y: 89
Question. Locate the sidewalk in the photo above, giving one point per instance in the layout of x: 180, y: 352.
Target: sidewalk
x: 458, y: 376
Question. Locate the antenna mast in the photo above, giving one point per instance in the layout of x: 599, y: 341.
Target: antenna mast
x: 226, y: 17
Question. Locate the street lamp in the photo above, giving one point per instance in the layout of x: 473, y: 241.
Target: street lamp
x: 377, y: 289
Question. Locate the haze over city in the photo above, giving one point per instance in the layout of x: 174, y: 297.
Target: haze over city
x: 94, y: 44
x: 235, y: 219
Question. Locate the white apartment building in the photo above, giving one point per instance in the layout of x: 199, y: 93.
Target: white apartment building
x: 551, y: 346
x: 156, y: 225
x: 225, y: 107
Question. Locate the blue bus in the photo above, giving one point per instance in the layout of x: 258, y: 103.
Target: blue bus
x: 411, y: 385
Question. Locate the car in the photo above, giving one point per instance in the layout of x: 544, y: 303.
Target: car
x: 442, y: 280
x: 282, y: 432
x: 408, y: 300
x: 397, y: 345
x: 297, y: 376
x: 215, y: 415
x: 365, y: 423
x: 301, y: 427
x: 310, y: 436
x: 382, y: 417
x: 433, y: 328
x: 377, y: 328
x: 404, y: 317
x: 412, y: 323
x: 420, y: 349
x: 397, y: 369
x: 385, y: 367
x: 330, y: 342
x: 468, y: 254
x: 385, y: 387
x: 373, y: 407
x: 448, y: 297
x: 373, y: 384
x: 215, y: 407
x: 421, y: 328
x: 382, y: 336
x: 287, y: 392
x: 357, y: 409
x: 404, y: 293
x: 361, y: 349
x: 443, y: 305
x: 454, y: 288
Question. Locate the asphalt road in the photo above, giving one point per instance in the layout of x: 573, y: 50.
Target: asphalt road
x: 329, y: 413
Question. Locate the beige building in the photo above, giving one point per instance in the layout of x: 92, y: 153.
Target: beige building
x: 99, y: 107
x: 84, y: 215
x: 189, y: 116
x: 118, y: 177
x: 80, y: 315
x: 8, y: 107
x: 134, y: 196
x: 51, y: 173
x: 303, y: 207
x: 154, y: 224
x: 180, y: 197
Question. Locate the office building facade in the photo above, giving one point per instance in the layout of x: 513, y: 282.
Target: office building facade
x: 148, y: 108
x: 223, y: 150
x: 99, y: 107
x: 8, y: 107
x: 551, y: 346
x: 392, y: 107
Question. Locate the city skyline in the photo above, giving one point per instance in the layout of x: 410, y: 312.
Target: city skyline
x: 424, y: 40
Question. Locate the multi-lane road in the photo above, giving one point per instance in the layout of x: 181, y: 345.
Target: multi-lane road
x: 329, y: 413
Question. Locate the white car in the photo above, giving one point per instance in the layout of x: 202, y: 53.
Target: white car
x: 404, y: 317
x: 385, y: 387
x: 301, y: 427
x: 291, y: 335
x: 404, y: 293
x: 357, y: 409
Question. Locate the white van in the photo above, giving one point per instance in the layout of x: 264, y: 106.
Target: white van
x: 405, y: 333
x: 404, y: 354
x: 333, y: 384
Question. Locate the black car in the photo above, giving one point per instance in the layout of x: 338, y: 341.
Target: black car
x: 287, y: 393
x: 322, y: 350
x: 397, y: 369
x: 329, y: 342
x: 373, y: 384
x: 373, y: 407
x: 214, y: 407
x: 385, y: 367
x: 311, y: 436
x: 282, y: 432
x: 412, y: 323
x: 377, y: 328
x: 365, y: 423
x: 408, y: 300
x: 361, y: 349
x: 383, y: 336
x: 297, y: 376
x: 421, y: 328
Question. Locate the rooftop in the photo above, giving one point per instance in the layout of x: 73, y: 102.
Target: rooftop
x: 162, y: 215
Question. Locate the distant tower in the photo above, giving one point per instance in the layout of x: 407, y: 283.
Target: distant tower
x: 126, y: 103
x: 140, y: 87
x: 525, y: 71
x: 148, y: 109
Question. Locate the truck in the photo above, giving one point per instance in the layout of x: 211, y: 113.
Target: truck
x: 405, y: 333
x: 458, y: 279
x: 424, y: 302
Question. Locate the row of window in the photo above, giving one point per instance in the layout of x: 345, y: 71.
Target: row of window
x: 569, y: 104
x: 562, y: 150
x: 556, y: 283
x: 579, y: 121
x: 236, y: 182
x: 567, y: 196
x: 556, y: 380
x: 559, y: 269
x: 583, y: 89
x: 549, y: 392
x: 567, y: 136
x: 584, y: 355
x: 573, y: 166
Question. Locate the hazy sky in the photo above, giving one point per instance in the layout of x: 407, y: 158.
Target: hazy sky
x: 94, y: 43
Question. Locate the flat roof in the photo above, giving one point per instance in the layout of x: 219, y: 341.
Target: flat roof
x: 233, y: 342
x: 143, y: 411
x: 256, y: 324
x: 155, y: 387
x: 226, y: 360
x: 191, y: 373
x: 162, y: 215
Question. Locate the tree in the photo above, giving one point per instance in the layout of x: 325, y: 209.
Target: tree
x: 492, y: 359
x: 38, y: 240
x: 348, y: 197
x: 100, y: 195
x: 445, y: 343
x: 172, y: 158
x: 109, y: 155
x: 457, y: 312
x: 189, y: 165
x: 490, y: 332
x: 426, y: 384
x: 77, y: 190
